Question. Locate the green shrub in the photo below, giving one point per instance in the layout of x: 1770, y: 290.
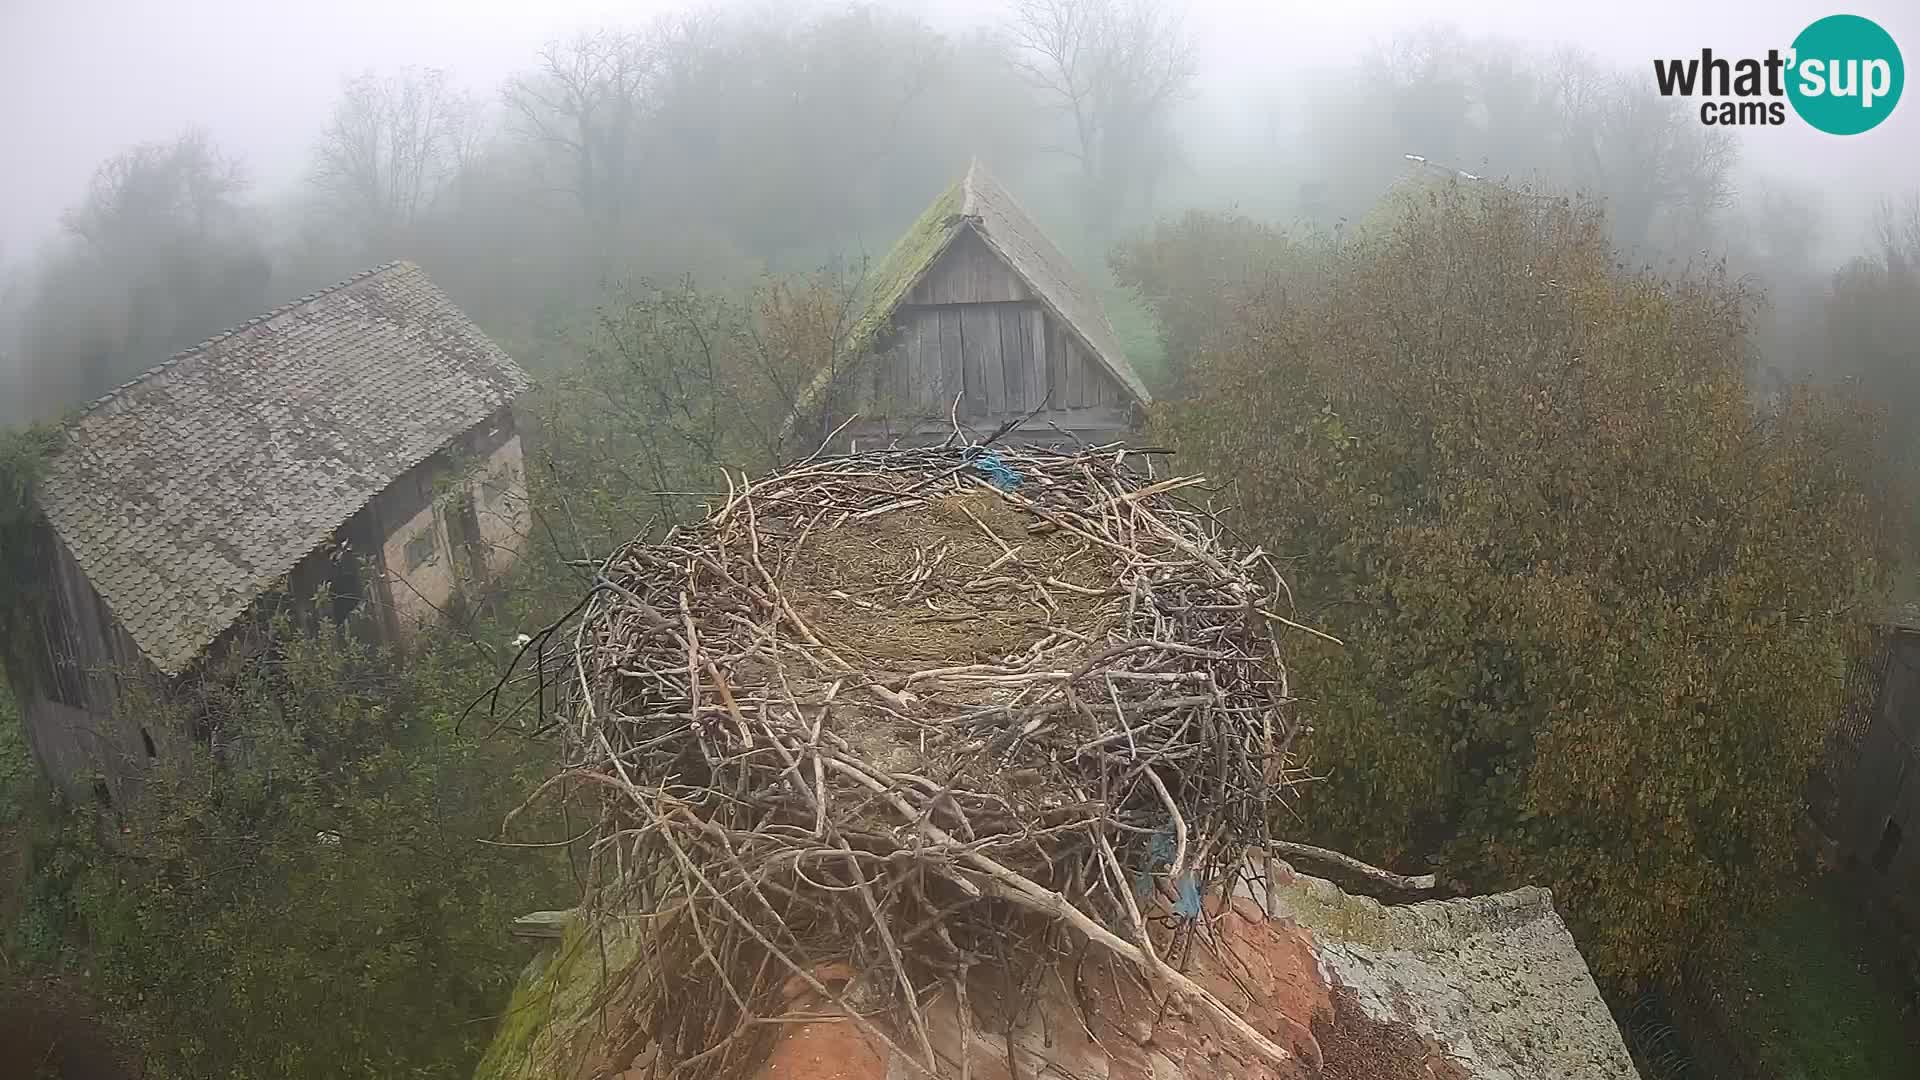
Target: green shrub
x: 1596, y: 601
x: 307, y: 892
x: 1196, y: 270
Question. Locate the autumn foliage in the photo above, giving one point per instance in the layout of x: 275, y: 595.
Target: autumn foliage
x: 1596, y: 597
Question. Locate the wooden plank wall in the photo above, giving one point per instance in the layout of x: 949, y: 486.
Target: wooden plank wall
x: 973, y: 328
x: 68, y: 710
x: 1005, y: 357
x: 969, y: 273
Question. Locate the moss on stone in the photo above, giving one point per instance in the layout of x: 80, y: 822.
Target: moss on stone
x: 557, y: 990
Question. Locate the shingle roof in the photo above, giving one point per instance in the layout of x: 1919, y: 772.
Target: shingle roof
x: 1008, y: 230
x: 186, y: 492
x: 980, y: 203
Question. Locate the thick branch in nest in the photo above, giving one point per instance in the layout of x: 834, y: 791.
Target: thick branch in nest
x: 1358, y: 876
x: 877, y: 714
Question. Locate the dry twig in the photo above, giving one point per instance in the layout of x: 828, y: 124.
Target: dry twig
x: 874, y: 715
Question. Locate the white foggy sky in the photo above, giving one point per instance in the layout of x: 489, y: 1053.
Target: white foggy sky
x: 81, y: 79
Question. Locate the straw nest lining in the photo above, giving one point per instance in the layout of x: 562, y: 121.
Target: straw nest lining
x: 877, y: 722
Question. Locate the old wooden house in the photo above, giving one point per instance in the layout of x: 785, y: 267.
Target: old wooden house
x: 976, y: 318
x: 357, y: 444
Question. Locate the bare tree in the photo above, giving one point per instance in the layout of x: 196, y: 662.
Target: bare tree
x: 1114, y: 68
x: 392, y: 149
x: 184, y: 189
x: 1653, y: 162
x: 1422, y: 77
x: 586, y: 101
x: 162, y: 252
x: 1895, y: 227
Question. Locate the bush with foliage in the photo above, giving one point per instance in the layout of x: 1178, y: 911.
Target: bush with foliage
x: 1195, y: 271
x: 675, y: 383
x: 23, y: 454
x: 1596, y: 601
x: 312, y: 893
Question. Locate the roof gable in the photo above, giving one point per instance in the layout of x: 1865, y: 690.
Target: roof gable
x: 912, y: 256
x: 188, y: 491
x: 1008, y: 229
x: 979, y: 204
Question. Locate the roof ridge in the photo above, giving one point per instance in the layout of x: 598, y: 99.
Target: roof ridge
x: 1060, y: 269
x: 233, y: 331
x: 969, y: 193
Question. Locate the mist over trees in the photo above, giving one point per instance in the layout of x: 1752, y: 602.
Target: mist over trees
x: 724, y: 143
x: 162, y: 250
x: 1114, y: 69
x: 1545, y: 118
x: 1586, y: 435
x: 390, y: 155
x: 1587, y: 588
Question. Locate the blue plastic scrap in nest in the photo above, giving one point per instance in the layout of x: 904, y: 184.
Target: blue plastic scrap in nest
x: 989, y: 464
x: 1186, y: 900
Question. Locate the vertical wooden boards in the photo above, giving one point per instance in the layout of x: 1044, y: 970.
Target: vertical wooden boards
x: 969, y: 272
x: 1076, y: 372
x: 1034, y: 355
x: 1102, y: 388
x: 942, y: 377
x: 1047, y: 345
x: 1013, y: 358
x: 1002, y: 359
x: 980, y: 330
x: 919, y: 360
x: 928, y: 362
x: 878, y: 393
x: 896, y: 391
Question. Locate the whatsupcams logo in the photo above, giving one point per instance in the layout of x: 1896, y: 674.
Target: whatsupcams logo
x: 1843, y: 75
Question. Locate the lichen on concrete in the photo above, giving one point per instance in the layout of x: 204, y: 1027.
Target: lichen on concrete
x: 1492, y: 987
x: 1496, y: 980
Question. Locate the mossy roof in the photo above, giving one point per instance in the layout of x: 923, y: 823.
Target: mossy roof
x: 978, y: 202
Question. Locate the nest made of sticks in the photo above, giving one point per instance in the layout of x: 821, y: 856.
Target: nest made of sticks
x: 883, y: 718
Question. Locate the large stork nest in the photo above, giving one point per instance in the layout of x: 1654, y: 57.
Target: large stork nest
x: 883, y: 719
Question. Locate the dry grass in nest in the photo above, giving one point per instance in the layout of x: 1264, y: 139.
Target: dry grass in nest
x: 961, y: 582
x: 874, y: 716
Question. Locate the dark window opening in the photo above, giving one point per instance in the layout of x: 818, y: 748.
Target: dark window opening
x: 148, y: 741
x: 1889, y: 847
x: 420, y: 550
x: 345, y: 585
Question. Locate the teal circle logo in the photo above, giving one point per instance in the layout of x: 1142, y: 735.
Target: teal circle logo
x: 1847, y: 74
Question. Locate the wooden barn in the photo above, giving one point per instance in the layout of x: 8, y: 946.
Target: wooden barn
x: 359, y: 441
x: 976, y: 317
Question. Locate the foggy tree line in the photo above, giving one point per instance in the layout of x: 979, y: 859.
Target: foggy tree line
x: 718, y: 145
x: 705, y: 148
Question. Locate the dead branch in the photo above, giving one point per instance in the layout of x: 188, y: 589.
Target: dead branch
x: 876, y: 714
